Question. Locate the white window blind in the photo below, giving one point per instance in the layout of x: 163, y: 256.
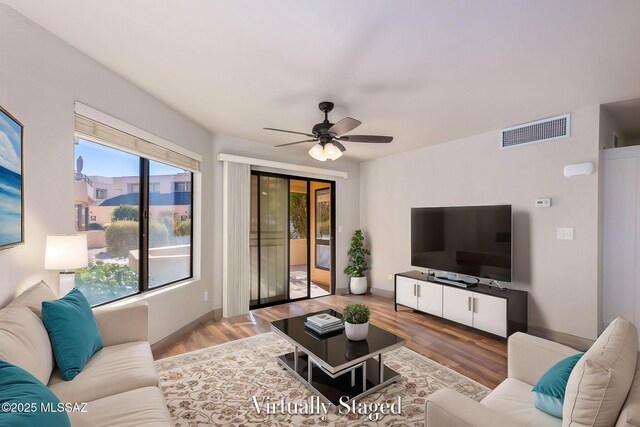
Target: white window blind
x: 106, y: 135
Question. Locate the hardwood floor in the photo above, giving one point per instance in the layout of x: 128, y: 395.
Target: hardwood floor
x: 479, y: 356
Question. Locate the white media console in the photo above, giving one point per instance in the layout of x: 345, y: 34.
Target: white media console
x: 500, y: 312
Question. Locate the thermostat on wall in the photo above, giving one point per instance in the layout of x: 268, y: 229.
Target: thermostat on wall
x: 543, y: 203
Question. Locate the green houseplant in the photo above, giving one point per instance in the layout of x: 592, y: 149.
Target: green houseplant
x: 356, y: 321
x: 357, y: 263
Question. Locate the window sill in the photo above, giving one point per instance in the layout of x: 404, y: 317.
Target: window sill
x: 148, y: 294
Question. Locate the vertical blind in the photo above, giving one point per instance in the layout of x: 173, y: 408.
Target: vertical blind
x: 106, y: 135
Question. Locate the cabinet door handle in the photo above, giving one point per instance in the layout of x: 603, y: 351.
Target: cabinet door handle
x: 418, y: 291
x: 414, y: 289
x: 469, y: 303
x: 473, y: 304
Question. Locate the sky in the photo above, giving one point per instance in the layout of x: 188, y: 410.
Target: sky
x: 108, y: 162
x: 10, y: 144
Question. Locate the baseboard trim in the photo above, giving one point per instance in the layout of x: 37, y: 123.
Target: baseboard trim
x: 382, y: 292
x: 572, y: 341
x: 177, y: 335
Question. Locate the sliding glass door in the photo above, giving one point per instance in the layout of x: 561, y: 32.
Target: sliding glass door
x: 272, y: 245
x: 291, y: 239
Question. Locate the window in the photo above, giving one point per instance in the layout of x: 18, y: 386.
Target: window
x: 182, y: 186
x: 323, y: 228
x: 133, y: 188
x: 123, y: 259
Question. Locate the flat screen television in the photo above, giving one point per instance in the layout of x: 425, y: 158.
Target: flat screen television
x: 470, y: 240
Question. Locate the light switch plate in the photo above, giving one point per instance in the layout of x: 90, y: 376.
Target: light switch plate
x: 565, y: 233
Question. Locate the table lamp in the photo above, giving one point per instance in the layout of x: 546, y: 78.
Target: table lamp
x: 64, y: 253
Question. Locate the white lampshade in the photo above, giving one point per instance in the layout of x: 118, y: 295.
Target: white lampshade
x: 66, y: 252
x: 317, y: 152
x: 332, y: 152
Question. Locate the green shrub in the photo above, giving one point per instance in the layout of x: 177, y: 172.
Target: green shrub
x: 298, y: 214
x: 168, y: 219
x: 94, y: 226
x: 125, y: 213
x: 122, y: 237
x: 356, y: 314
x: 158, y: 234
x: 183, y: 228
x: 103, y: 281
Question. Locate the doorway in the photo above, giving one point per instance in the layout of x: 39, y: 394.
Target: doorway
x: 292, y: 238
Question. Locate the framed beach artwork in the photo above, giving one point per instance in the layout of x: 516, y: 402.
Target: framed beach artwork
x: 11, y: 197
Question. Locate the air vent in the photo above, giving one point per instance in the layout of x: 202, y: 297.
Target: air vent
x: 538, y: 131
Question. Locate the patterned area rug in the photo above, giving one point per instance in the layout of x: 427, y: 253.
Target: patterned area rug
x: 215, y: 386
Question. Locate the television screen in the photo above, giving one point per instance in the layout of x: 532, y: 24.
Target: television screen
x: 471, y: 240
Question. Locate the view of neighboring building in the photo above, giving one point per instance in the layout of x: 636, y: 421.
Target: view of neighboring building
x: 107, y: 209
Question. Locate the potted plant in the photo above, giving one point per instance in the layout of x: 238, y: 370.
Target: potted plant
x: 356, y: 321
x: 357, y: 264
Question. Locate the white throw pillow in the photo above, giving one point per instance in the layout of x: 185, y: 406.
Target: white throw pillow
x: 600, y: 381
x: 24, y: 342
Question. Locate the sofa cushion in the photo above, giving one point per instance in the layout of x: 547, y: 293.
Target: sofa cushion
x: 112, y: 370
x: 18, y: 387
x: 600, y: 381
x: 24, y: 342
x: 548, y: 392
x: 630, y: 414
x: 33, y: 298
x: 143, y: 407
x: 514, y: 400
x: 73, y: 332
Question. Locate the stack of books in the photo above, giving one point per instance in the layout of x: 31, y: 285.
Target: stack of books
x: 324, y: 323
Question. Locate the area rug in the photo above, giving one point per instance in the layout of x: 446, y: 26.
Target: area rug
x: 215, y: 387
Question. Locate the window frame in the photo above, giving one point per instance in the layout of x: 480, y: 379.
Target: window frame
x: 319, y: 241
x: 155, y: 185
x: 187, y: 185
x: 143, y: 236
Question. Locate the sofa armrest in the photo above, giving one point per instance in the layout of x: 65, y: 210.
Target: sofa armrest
x: 529, y: 357
x: 448, y: 408
x: 122, y: 325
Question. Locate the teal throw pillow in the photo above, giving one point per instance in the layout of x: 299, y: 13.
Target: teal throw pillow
x: 26, y: 402
x: 73, y: 332
x: 548, y: 393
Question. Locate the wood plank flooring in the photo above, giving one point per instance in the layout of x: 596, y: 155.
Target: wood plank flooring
x: 479, y: 356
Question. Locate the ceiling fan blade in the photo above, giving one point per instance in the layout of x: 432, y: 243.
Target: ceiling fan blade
x: 339, y: 145
x: 290, y: 131
x: 366, y: 138
x: 345, y: 125
x: 297, y: 142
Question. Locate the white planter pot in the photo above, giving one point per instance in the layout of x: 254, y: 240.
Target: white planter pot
x: 358, y: 285
x: 356, y: 332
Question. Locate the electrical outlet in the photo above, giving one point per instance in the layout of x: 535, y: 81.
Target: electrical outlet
x: 206, y: 296
x: 390, y: 277
x: 339, y: 229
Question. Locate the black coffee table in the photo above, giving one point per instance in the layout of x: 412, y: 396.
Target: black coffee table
x: 332, y: 365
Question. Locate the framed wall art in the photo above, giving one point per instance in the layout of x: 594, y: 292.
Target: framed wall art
x: 11, y: 184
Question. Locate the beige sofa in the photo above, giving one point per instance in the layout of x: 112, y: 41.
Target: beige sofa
x: 603, y: 389
x: 119, y: 384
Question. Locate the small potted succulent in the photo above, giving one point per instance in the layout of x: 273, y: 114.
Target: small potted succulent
x: 356, y: 321
x: 357, y: 264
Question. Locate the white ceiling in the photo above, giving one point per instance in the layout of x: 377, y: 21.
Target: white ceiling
x: 423, y: 71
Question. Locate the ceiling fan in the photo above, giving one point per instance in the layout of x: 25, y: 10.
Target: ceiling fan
x: 329, y: 136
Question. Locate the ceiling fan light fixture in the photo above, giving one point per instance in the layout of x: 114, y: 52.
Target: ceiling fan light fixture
x: 332, y: 152
x: 318, y: 153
